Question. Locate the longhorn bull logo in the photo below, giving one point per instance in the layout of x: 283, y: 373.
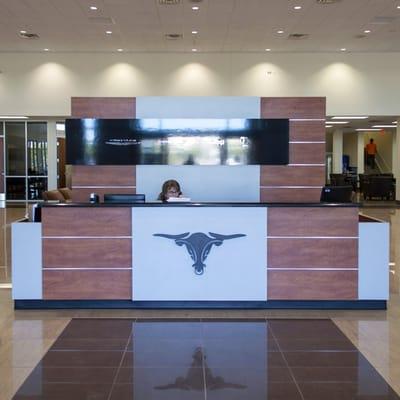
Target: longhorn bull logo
x: 199, y: 245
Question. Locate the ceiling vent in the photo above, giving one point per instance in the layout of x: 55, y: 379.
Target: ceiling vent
x: 327, y: 1
x: 195, y: 1
x: 298, y: 36
x: 383, y: 20
x: 27, y: 35
x: 173, y: 36
x: 169, y: 2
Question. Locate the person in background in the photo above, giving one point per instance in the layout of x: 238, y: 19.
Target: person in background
x: 371, y: 150
x: 170, y: 188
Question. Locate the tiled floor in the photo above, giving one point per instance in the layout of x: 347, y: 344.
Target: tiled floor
x: 203, y: 359
x: 25, y: 336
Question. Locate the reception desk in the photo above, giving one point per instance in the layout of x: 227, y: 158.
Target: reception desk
x: 222, y: 255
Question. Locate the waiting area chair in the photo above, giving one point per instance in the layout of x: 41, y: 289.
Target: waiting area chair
x: 379, y: 186
x: 337, y: 194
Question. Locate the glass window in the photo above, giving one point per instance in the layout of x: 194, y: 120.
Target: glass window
x: 37, y: 148
x: 15, y: 188
x: 15, y: 148
x: 36, y: 186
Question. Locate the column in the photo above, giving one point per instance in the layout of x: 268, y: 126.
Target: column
x: 396, y: 158
x: 52, y: 155
x: 360, y: 153
x: 337, y: 151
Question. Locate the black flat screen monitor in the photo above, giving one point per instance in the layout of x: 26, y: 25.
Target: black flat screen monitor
x: 124, y: 198
x: 337, y: 194
x: 177, y: 141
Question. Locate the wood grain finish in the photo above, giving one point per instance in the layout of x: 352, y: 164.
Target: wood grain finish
x: 312, y: 285
x: 293, y: 107
x: 103, y: 107
x: 81, y: 195
x: 103, y: 175
x: 312, y: 253
x: 1, y: 165
x: 87, y: 253
x: 86, y: 221
x: 313, y: 221
x: 307, y: 153
x: 282, y: 195
x: 61, y: 162
x: 282, y: 175
x: 307, y: 131
x: 87, y: 285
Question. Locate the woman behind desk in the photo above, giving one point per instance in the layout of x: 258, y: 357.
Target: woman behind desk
x: 170, y: 188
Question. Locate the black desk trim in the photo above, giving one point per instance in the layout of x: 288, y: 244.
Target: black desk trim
x: 249, y: 305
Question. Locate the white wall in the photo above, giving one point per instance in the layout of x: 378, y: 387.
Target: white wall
x: 42, y: 84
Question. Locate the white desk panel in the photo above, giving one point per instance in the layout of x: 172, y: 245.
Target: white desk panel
x: 235, y: 270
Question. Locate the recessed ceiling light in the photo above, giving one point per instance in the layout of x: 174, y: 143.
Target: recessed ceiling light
x: 384, y: 126
x: 194, y: 50
x: 109, y: 32
x: 297, y: 7
x: 336, y: 122
x: 280, y: 31
x: 343, y: 49
x: 195, y: 8
x: 195, y: 32
x: 394, y: 122
x: 363, y: 117
x: 367, y: 31
x: 398, y: 7
x: 120, y: 50
x: 46, y: 49
x: 367, y: 129
x: 22, y: 32
x: 267, y: 49
x: 328, y: 126
x: 93, y: 8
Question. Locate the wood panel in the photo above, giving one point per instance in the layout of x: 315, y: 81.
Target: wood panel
x: 1, y: 165
x: 313, y: 221
x: 307, y: 131
x: 81, y: 195
x: 282, y: 175
x: 307, y: 153
x: 87, y: 284
x: 103, y: 175
x: 293, y: 107
x: 283, y: 195
x: 312, y: 285
x: 86, y: 221
x: 103, y: 107
x: 312, y: 253
x: 87, y: 253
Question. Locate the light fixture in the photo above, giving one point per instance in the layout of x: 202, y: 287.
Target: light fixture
x: 384, y: 126
x: 350, y: 117
x: 195, y: 8
x: 394, y: 122
x: 93, y: 8
x: 343, y: 49
x: 120, y: 50
x: 195, y: 32
x: 23, y: 32
x: 280, y: 31
x: 12, y: 117
x: 109, y: 32
x: 367, y: 130
x: 367, y: 31
x: 398, y: 7
x: 297, y: 7
x: 328, y: 126
x: 336, y: 122
x: 267, y: 49
x: 194, y: 50
x: 46, y: 49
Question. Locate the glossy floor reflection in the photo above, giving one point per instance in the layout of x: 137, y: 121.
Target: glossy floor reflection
x: 203, y: 359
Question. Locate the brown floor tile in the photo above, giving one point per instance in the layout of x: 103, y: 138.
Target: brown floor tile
x: 91, y: 344
x: 322, y: 359
x: 82, y: 359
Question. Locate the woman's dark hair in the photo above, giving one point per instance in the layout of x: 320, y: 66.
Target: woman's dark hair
x: 167, y: 185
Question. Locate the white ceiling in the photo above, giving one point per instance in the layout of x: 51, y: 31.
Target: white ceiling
x: 223, y: 25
